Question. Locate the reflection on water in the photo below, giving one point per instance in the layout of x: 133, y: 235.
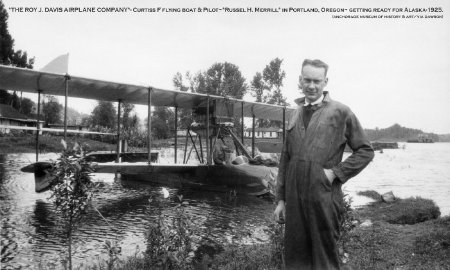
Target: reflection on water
x: 30, y: 233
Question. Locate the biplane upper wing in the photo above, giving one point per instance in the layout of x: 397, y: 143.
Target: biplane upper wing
x: 27, y: 80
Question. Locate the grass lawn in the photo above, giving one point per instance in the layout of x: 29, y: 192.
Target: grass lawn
x: 389, y: 246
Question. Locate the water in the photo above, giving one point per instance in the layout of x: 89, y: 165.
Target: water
x: 418, y: 170
x: 30, y: 234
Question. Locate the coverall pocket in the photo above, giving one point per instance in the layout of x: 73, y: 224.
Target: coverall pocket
x: 324, y: 179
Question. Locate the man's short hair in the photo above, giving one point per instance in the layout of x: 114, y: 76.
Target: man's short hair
x: 316, y: 63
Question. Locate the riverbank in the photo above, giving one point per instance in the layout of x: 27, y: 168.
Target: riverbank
x: 48, y: 144
x: 403, y: 234
x: 52, y: 144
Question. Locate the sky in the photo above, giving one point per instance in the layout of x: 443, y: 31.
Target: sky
x: 387, y: 70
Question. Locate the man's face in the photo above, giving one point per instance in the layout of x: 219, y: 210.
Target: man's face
x: 312, y: 82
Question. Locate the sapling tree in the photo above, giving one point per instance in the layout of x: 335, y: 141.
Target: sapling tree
x: 72, y: 189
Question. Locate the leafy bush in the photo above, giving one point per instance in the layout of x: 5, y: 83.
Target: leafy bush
x: 348, y: 223
x: 257, y: 256
x: 169, y: 241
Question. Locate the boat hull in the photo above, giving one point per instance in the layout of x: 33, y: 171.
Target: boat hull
x: 103, y: 156
x: 244, y: 178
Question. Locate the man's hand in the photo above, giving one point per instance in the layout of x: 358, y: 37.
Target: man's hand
x: 330, y: 175
x: 280, y: 212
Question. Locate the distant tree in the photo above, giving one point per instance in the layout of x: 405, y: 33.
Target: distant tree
x: 86, y: 121
x: 178, y: 82
x: 162, y: 122
x: 128, y: 116
x: 23, y: 105
x: 74, y: 117
x: 267, y: 87
x: 225, y: 79
x: 278, y: 98
x: 273, y: 77
x: 27, y: 107
x: 130, y: 124
x: 104, y: 115
x: 20, y: 59
x: 273, y: 74
x: 51, y: 109
x: 184, y: 114
x: 258, y: 88
x: 8, y: 56
x: 221, y: 79
x: 6, y: 41
x: 9, y: 98
x: 197, y: 82
x: 260, y: 91
x: 4, y: 97
x: 160, y: 130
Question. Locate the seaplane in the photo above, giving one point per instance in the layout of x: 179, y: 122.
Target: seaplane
x: 213, y: 121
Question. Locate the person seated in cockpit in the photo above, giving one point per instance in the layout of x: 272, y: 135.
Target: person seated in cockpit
x: 223, y: 151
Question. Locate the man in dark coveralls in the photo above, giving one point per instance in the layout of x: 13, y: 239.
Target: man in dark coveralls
x: 311, y: 172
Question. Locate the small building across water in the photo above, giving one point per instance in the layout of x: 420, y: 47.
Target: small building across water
x: 10, y: 118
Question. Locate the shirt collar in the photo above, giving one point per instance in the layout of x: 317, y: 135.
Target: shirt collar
x: 317, y: 102
x: 326, y: 99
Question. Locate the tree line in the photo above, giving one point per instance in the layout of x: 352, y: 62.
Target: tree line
x: 397, y: 133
